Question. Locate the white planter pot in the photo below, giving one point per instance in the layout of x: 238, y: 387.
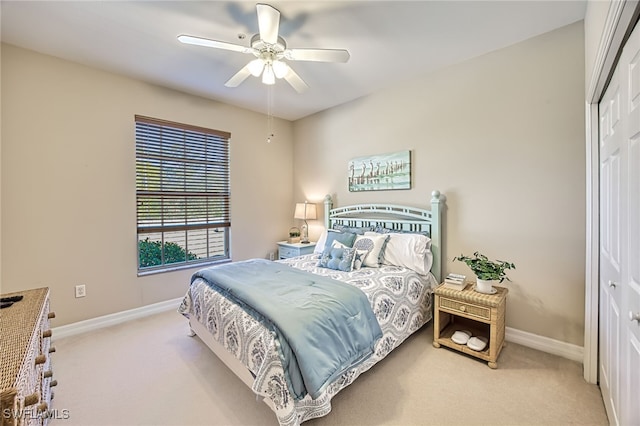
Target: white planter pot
x: 485, y: 286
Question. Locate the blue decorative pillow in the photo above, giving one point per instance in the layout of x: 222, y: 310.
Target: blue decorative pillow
x: 382, y: 230
x: 346, y: 238
x: 352, y: 229
x: 358, y: 255
x: 336, y: 258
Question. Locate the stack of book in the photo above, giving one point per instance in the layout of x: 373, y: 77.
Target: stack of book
x: 455, y: 281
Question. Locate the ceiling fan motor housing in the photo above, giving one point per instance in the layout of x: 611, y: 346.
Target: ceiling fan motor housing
x: 267, y: 51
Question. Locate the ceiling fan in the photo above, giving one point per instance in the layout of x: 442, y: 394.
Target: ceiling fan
x: 271, y: 52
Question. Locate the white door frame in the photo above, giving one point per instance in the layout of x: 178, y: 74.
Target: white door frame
x: 620, y: 19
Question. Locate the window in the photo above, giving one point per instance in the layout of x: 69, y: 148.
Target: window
x: 182, y: 194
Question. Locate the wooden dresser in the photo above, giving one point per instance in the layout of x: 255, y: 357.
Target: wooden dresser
x: 25, y: 342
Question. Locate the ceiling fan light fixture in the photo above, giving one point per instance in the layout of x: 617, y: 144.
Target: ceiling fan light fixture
x: 280, y: 69
x: 255, y: 67
x: 267, y: 76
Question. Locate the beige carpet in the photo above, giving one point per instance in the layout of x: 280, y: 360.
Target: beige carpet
x: 149, y: 372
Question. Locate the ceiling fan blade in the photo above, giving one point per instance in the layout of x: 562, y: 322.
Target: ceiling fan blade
x: 199, y: 41
x: 239, y: 77
x: 295, y: 81
x: 268, y: 23
x: 317, y: 55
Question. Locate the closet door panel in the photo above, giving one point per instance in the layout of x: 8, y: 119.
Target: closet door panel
x: 632, y: 415
x: 631, y: 378
x: 611, y: 173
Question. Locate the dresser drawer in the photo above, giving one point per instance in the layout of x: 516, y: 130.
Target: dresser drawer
x: 466, y: 309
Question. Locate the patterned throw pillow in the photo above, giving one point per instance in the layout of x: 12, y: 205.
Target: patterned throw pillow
x: 358, y: 259
x: 383, y: 230
x: 352, y: 229
x: 358, y: 255
x: 340, y: 259
x: 375, y: 247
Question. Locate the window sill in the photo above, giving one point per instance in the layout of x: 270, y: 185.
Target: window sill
x: 171, y: 268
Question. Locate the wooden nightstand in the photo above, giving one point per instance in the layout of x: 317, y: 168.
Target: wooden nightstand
x: 481, y: 314
x: 287, y: 250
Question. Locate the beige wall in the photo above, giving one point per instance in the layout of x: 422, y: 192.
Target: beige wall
x: 502, y: 136
x: 68, y: 182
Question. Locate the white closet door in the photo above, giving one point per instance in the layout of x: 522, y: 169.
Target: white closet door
x: 611, y: 236
x: 619, y: 357
x: 630, y: 374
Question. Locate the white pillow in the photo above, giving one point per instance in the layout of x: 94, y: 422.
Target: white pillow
x: 374, y: 244
x: 321, y: 242
x: 411, y: 251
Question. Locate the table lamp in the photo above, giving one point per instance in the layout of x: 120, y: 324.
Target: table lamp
x: 305, y: 211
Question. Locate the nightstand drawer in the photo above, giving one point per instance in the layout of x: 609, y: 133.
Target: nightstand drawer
x: 286, y: 252
x: 466, y: 308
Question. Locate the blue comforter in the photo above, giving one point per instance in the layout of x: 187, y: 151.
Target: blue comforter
x: 324, y: 326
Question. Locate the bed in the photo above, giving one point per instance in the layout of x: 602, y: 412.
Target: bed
x: 397, y: 289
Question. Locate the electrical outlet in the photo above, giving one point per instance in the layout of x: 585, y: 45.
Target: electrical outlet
x: 272, y: 256
x: 81, y: 290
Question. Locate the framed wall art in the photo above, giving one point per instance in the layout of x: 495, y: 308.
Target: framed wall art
x: 380, y: 172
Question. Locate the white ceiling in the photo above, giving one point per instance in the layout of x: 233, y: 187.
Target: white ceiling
x: 389, y: 41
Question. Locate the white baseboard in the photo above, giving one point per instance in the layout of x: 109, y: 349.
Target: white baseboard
x: 530, y: 340
x: 545, y: 344
x: 113, y: 319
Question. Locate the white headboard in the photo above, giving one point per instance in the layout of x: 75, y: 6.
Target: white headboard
x: 401, y: 218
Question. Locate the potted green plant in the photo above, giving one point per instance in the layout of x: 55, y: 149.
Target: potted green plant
x: 294, y: 235
x: 487, y: 271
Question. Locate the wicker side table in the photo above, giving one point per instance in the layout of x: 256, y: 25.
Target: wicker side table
x: 481, y: 314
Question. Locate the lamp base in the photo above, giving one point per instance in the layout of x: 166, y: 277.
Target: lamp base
x: 305, y: 234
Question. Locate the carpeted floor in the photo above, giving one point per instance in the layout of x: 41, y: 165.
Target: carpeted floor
x: 149, y: 372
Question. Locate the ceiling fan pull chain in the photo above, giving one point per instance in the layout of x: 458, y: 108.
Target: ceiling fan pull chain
x: 270, y: 134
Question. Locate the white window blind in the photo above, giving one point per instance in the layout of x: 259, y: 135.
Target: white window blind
x: 182, y: 193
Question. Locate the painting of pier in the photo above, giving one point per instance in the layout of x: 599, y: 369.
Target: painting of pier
x: 380, y: 172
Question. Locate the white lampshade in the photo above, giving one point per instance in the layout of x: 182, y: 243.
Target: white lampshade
x: 255, y: 67
x: 280, y: 69
x: 305, y: 211
x: 267, y: 75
